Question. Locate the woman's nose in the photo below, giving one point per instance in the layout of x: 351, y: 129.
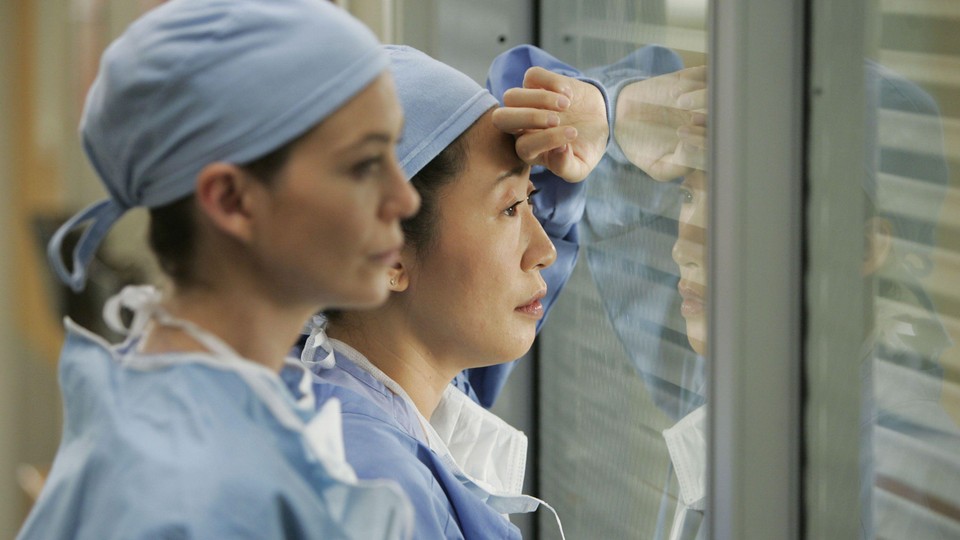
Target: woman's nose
x: 540, y: 252
x: 689, y: 248
x: 401, y: 200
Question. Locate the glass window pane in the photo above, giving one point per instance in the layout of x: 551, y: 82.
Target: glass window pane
x: 910, y: 263
x: 617, y: 368
x: 907, y: 445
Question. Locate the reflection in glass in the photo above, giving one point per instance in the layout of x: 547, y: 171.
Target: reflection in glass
x: 616, y: 367
x: 910, y: 445
x: 908, y: 441
x: 671, y: 110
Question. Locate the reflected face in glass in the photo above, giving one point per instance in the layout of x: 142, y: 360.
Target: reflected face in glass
x: 329, y: 228
x: 690, y: 255
x: 474, y: 291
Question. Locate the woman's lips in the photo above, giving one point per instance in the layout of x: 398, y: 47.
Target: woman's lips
x: 693, y: 304
x: 388, y: 257
x: 691, y: 307
x: 533, y: 307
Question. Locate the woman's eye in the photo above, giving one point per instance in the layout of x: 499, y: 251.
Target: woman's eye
x: 367, y: 167
x: 686, y: 196
x: 512, y: 209
x: 530, y: 201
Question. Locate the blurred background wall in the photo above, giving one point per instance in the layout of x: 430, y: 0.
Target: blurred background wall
x: 29, y: 401
x: 48, y: 55
x: 8, y: 489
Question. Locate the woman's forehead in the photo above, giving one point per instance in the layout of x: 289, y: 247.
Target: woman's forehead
x: 696, y: 179
x: 490, y: 148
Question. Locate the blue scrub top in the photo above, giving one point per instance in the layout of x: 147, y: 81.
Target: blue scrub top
x: 191, y: 451
x: 383, y: 439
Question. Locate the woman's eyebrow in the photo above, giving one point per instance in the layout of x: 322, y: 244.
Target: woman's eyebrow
x: 382, y: 137
x: 516, y: 171
x: 378, y: 138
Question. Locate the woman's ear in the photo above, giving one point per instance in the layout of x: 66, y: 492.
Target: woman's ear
x: 878, y: 243
x: 399, y: 277
x: 225, y: 196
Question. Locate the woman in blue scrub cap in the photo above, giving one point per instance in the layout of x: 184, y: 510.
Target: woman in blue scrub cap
x: 261, y: 137
x: 483, y: 259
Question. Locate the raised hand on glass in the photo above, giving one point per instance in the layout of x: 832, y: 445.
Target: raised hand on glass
x: 559, y: 122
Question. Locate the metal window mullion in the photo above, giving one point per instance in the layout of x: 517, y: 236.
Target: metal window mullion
x: 756, y: 167
x: 835, y: 290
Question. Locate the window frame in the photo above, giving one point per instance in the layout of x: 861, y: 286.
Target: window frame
x: 757, y: 89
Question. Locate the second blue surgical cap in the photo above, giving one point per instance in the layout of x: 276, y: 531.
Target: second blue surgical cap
x: 198, y: 81
x: 439, y: 104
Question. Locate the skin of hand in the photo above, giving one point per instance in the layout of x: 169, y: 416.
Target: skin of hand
x: 660, y: 123
x: 559, y: 122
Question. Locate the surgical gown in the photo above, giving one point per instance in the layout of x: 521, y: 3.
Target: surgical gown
x: 181, y: 446
x: 385, y: 437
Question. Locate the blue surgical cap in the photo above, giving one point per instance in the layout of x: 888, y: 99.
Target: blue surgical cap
x: 439, y: 104
x: 198, y: 81
x: 926, y: 169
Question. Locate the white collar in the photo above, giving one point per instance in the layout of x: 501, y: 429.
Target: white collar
x: 485, y: 448
x: 687, y: 445
x: 485, y: 453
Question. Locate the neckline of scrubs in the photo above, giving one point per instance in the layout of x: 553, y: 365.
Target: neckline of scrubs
x: 319, y: 427
x: 501, y: 501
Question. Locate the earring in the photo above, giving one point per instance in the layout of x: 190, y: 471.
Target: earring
x: 393, y: 282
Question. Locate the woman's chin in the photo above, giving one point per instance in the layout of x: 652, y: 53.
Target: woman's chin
x: 370, y: 295
x: 699, y: 346
x: 697, y: 334
x: 510, y: 351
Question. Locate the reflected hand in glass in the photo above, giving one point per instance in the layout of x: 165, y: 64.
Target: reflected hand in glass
x: 660, y: 123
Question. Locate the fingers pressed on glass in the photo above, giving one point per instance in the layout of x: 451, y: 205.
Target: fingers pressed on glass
x: 516, y: 120
x: 698, y: 118
x: 536, y: 98
x: 693, y: 135
x: 698, y: 73
x: 537, y: 77
x: 695, y: 100
x: 531, y: 146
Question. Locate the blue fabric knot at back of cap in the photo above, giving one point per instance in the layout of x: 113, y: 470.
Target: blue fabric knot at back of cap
x: 439, y: 104
x: 198, y: 81
x: 103, y: 214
